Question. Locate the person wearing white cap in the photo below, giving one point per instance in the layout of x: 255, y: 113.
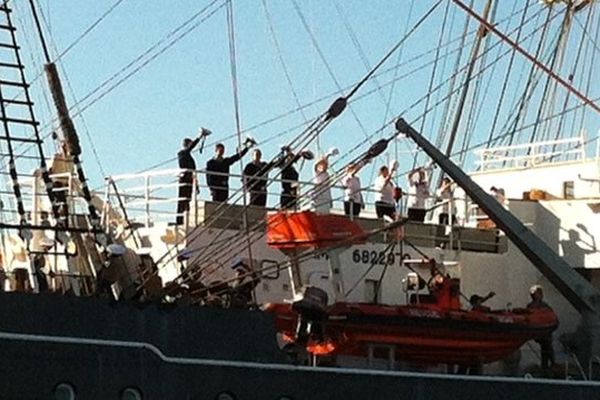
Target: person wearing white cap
x: 546, y: 348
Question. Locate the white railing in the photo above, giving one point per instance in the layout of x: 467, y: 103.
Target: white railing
x: 151, y: 197
x: 531, y: 154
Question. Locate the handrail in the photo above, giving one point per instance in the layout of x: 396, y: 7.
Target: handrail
x: 573, y: 356
x: 537, y: 153
x: 150, y: 200
x: 593, y: 359
x: 529, y: 145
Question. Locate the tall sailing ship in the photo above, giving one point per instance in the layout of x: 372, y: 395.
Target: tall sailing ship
x: 129, y: 292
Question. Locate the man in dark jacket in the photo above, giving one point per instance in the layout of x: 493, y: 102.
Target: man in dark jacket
x: 289, y: 178
x: 219, y: 181
x: 256, y: 174
x: 186, y: 178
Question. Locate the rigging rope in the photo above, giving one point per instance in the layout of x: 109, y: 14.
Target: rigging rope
x: 548, y: 84
x: 87, y: 31
x: 507, y: 76
x: 592, y: 68
x: 572, y: 74
x: 358, y: 47
x: 475, y: 111
x: 70, y: 86
x: 531, y: 58
x: 335, y: 109
x: 238, y: 122
x: 531, y: 80
x: 80, y: 109
x: 151, y: 58
x: 282, y: 61
x: 326, y: 63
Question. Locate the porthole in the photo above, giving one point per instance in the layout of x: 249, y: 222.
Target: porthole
x: 225, y: 396
x: 64, y: 391
x: 131, y: 394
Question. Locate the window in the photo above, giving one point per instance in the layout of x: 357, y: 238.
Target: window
x: 131, y: 393
x: 64, y: 391
x: 271, y: 273
x: 569, y: 190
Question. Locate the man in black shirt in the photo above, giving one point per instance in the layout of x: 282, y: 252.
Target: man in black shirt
x: 219, y: 183
x: 289, y: 180
x: 186, y: 178
x: 256, y: 174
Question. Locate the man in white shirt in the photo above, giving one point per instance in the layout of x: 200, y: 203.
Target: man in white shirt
x: 445, y: 195
x: 384, y: 199
x: 418, y: 193
x: 353, y: 199
x: 321, y: 193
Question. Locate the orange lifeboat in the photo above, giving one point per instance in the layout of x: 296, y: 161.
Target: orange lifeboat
x: 432, y: 329
x: 431, y: 332
x: 308, y: 229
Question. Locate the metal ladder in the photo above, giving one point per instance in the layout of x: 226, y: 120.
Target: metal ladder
x: 21, y: 150
x: 17, y: 115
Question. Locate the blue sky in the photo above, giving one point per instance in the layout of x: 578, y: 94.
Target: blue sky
x: 141, y: 122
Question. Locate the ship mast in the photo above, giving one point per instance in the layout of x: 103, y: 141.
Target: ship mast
x: 481, y: 33
x: 567, y: 85
x: 72, y: 147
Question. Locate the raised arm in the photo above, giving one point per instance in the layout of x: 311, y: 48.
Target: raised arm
x: 192, y: 144
x: 236, y: 157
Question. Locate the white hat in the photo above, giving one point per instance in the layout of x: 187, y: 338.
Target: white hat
x: 46, y: 242
x: 143, y: 251
x: 535, y: 288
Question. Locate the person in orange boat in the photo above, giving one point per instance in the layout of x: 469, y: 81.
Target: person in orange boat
x: 477, y: 301
x: 537, y: 301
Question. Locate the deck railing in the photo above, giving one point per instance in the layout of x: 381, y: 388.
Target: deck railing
x: 531, y: 154
x: 151, y: 197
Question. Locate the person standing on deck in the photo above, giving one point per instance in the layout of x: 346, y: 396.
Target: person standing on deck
x: 445, y: 195
x: 418, y: 193
x: 186, y: 178
x: 353, y: 198
x: 256, y: 174
x: 218, y: 180
x: 289, y: 177
x: 384, y: 199
x: 321, y: 193
x: 40, y: 267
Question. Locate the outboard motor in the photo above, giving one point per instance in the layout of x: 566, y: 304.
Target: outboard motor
x: 311, y: 306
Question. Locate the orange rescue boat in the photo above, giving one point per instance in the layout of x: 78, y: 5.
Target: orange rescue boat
x: 432, y: 329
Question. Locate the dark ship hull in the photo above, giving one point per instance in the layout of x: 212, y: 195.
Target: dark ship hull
x: 101, y: 348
